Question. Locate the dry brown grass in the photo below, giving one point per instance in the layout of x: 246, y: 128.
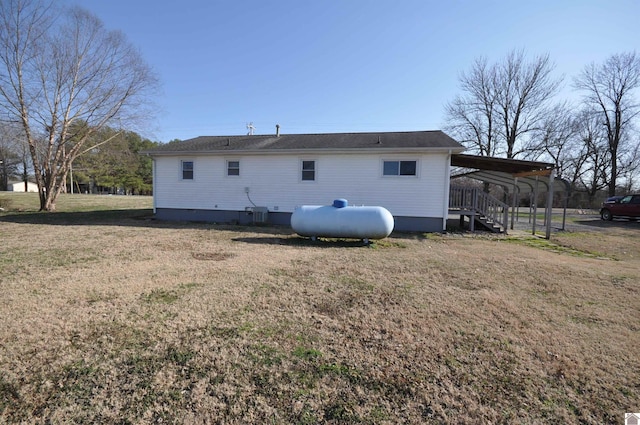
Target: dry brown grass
x: 127, y: 320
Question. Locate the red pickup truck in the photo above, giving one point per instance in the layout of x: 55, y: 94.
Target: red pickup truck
x: 627, y: 206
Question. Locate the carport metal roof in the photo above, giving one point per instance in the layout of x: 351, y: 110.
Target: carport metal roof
x: 508, y: 181
x: 511, y: 166
x: 510, y: 174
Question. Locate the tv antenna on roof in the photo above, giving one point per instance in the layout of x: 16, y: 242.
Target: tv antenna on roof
x: 251, y: 129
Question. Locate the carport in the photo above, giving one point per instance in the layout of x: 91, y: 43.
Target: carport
x: 516, y: 177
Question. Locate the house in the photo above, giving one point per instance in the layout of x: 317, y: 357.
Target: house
x: 263, y: 178
x: 19, y: 187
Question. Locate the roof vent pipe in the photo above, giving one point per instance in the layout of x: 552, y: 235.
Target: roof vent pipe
x: 277, y: 130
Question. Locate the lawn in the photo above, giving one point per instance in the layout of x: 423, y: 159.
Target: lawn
x: 29, y: 202
x: 108, y: 316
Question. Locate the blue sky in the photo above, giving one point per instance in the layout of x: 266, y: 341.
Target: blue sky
x: 345, y: 65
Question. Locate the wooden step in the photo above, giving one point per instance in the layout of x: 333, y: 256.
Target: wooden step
x: 489, y: 225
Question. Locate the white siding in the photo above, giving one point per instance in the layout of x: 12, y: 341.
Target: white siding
x: 275, y: 181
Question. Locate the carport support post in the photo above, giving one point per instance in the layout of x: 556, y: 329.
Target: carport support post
x: 535, y: 207
x: 514, y: 201
x: 552, y: 177
x: 564, y: 213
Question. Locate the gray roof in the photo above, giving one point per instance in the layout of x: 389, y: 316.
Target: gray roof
x: 396, y: 141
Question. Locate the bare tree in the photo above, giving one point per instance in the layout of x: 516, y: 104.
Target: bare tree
x: 63, y: 77
x: 632, y: 168
x: 556, y: 139
x: 472, y: 118
x: 525, y: 91
x: 592, y: 161
x: 609, y: 89
x: 503, y: 104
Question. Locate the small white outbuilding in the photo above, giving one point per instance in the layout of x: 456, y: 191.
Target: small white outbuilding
x: 20, y: 187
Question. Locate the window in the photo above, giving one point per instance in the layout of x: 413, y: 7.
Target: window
x: 308, y: 170
x: 233, y: 168
x: 399, y: 168
x: 187, y: 170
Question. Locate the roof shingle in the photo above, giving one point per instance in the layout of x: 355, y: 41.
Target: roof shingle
x: 411, y: 140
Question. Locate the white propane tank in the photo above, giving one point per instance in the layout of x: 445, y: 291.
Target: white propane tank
x: 342, y: 221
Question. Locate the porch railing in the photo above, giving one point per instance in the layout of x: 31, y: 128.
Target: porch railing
x: 476, y: 203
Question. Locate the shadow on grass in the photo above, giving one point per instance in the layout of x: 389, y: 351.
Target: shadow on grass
x: 133, y: 218
x: 617, y: 223
x: 305, y: 242
x: 274, y: 235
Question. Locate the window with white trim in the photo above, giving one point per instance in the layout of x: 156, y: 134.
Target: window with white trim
x: 233, y: 168
x: 399, y: 168
x: 308, y: 170
x: 187, y: 170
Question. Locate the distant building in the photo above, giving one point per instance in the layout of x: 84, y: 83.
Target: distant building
x: 19, y: 187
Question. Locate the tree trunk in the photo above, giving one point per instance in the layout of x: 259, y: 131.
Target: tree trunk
x: 43, y: 198
x: 614, y: 173
x: 47, y: 193
x: 50, y: 205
